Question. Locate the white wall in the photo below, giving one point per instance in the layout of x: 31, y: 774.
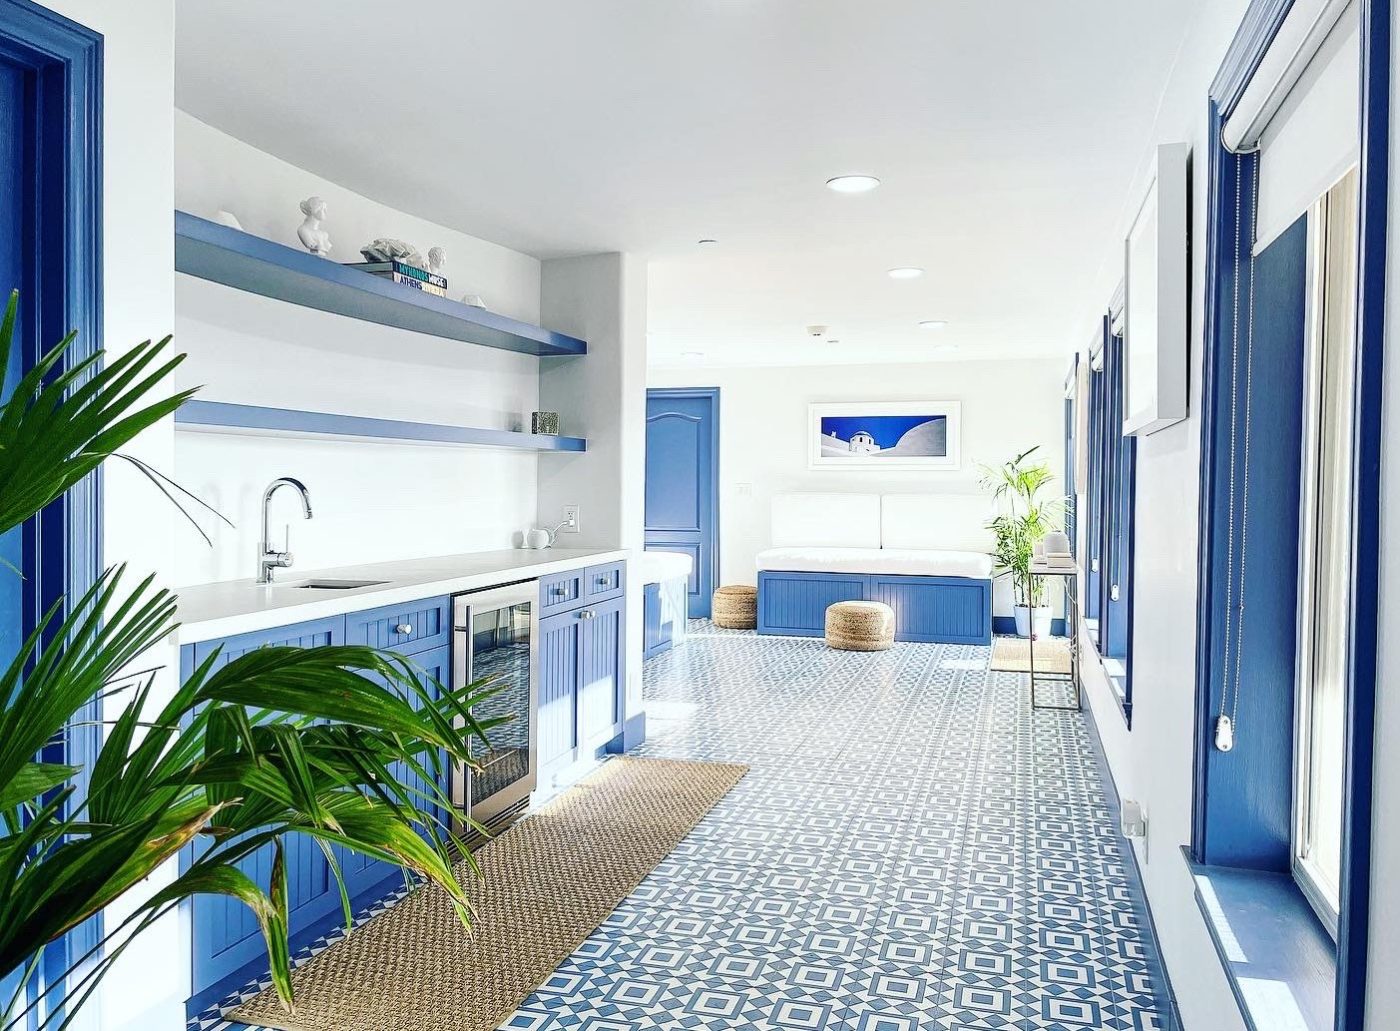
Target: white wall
x: 138, y: 304
x: 1153, y: 764
x: 372, y: 501
x: 602, y: 396
x: 1007, y: 407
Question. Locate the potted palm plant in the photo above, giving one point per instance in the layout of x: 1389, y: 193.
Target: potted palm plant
x: 1023, y: 519
x: 279, y: 741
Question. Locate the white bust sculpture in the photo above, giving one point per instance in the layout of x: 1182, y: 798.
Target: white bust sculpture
x: 437, y: 261
x: 312, y: 236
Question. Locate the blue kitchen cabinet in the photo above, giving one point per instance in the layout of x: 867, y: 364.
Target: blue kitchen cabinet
x: 361, y: 873
x: 582, y: 671
x: 227, y: 945
x: 225, y: 934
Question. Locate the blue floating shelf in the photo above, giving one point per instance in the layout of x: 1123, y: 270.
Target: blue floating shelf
x: 220, y: 416
x: 246, y: 262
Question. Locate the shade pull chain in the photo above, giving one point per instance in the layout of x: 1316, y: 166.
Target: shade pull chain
x: 1226, y: 722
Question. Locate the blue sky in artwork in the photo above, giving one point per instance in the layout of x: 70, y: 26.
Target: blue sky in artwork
x: 886, y: 429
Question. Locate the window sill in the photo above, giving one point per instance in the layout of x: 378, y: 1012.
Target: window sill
x: 1279, y: 959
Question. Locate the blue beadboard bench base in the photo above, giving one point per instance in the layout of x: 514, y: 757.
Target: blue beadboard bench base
x: 933, y: 609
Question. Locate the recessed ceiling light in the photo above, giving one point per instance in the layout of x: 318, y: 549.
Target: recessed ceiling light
x: 706, y: 240
x: 934, y: 324
x: 906, y: 272
x: 852, y: 183
x: 692, y: 356
x: 945, y: 349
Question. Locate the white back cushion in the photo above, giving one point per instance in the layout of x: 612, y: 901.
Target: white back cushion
x: 826, y: 521
x: 946, y: 522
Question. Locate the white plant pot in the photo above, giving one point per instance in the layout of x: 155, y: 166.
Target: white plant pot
x: 1041, y: 621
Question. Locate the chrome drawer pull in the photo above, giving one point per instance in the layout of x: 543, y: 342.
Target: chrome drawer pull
x: 604, y: 581
x: 558, y: 592
x: 404, y: 628
x: 587, y: 614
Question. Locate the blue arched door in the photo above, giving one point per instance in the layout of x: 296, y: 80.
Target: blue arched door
x: 682, y: 488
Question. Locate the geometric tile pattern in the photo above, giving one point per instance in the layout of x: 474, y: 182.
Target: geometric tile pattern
x: 913, y: 849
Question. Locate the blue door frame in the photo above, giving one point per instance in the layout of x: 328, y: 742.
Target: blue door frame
x: 1227, y: 173
x: 682, y: 491
x: 59, y: 275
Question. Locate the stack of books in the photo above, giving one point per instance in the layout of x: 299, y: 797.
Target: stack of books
x: 409, y: 275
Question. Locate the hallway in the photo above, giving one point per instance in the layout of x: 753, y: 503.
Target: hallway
x: 911, y: 850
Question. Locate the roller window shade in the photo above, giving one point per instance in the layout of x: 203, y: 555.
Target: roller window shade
x: 1308, y: 128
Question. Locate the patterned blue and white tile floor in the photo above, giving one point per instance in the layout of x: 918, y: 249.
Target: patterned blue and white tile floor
x: 913, y: 850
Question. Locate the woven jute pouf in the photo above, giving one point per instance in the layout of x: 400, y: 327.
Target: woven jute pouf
x: 735, y: 607
x: 859, y: 626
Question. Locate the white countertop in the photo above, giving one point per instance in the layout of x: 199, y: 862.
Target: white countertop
x: 210, y: 611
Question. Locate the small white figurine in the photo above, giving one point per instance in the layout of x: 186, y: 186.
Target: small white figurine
x: 474, y: 301
x: 437, y: 261
x: 227, y: 218
x: 312, y: 236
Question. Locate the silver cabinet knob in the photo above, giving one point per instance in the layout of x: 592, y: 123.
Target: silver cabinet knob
x: 587, y: 614
x: 604, y: 581
x: 558, y: 592
x: 404, y: 628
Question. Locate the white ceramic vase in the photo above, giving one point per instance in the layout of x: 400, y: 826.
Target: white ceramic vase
x: 1040, y: 622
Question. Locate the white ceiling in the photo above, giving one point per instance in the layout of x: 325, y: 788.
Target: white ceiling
x: 1006, y: 133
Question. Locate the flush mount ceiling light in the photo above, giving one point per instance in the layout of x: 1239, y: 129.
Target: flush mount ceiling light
x: 906, y: 272
x: 934, y: 324
x: 852, y: 183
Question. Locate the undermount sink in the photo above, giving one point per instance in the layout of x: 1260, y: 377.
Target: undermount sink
x: 337, y: 585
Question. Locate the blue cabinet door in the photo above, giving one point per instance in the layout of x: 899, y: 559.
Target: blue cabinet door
x: 558, y: 673
x: 682, y: 484
x: 225, y: 934
x: 601, y: 672
x: 795, y: 604
x: 363, y: 874
x: 951, y: 609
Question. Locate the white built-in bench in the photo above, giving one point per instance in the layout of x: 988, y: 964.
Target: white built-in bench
x: 927, y: 556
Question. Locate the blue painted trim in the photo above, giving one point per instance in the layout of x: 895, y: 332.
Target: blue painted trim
x: 712, y: 530
x: 1005, y: 626
x: 1257, y: 30
x: 1265, y: 931
x: 245, y: 262
x: 62, y: 292
x: 1355, y: 915
x: 220, y: 415
x: 1137, y: 889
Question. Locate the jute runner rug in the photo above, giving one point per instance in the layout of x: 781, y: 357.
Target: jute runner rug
x: 546, y: 884
x: 1013, y: 655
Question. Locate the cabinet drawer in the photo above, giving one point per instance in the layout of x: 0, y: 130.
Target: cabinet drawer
x: 561, y: 591
x: 605, y: 581
x: 410, y: 627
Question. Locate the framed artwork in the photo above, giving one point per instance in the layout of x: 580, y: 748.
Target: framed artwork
x: 884, y: 435
x: 1155, y: 313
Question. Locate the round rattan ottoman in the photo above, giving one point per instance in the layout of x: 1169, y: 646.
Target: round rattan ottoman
x: 859, y: 626
x: 735, y: 607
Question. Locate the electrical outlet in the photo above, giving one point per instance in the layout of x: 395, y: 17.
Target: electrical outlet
x: 570, y: 519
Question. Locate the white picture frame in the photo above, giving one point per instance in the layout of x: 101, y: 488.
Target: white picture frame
x: 1156, y: 316
x: 885, y: 435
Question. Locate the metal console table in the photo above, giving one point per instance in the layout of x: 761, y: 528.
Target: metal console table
x: 1069, y: 580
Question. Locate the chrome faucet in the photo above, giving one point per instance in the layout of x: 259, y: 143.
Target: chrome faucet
x: 268, y: 557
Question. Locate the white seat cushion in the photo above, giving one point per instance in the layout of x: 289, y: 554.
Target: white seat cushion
x: 826, y: 521
x: 659, y: 566
x: 945, y: 522
x: 882, y: 561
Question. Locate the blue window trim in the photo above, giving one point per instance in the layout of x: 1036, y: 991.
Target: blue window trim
x: 1256, y: 32
x: 63, y: 545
